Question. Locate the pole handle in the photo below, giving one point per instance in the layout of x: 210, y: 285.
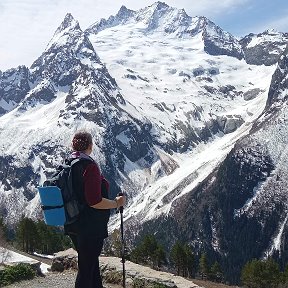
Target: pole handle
x: 121, y: 207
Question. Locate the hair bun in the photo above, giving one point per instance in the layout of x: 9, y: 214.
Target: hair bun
x: 81, y: 141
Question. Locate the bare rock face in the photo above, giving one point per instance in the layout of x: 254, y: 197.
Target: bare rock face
x: 264, y: 48
x: 229, y: 123
x: 251, y: 94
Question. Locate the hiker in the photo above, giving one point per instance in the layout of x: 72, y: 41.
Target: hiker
x: 90, y: 229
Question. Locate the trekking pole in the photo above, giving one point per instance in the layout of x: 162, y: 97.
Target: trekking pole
x: 123, y: 243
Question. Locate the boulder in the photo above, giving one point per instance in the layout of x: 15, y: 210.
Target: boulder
x: 229, y: 123
x: 251, y: 94
x: 65, y: 260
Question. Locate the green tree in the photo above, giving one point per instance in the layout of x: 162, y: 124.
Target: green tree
x: 216, y: 273
x: 285, y: 275
x: 189, y: 261
x: 26, y: 235
x: 149, y: 251
x: 37, y: 236
x: 159, y: 256
x: 177, y: 256
x: 149, y: 246
x: 137, y: 255
x: 261, y: 274
x: 50, y: 239
x: 203, y: 266
x: 43, y: 244
x: 3, y: 235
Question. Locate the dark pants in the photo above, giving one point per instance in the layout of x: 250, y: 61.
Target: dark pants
x: 88, y: 250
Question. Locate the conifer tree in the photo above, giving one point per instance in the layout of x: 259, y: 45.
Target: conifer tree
x: 3, y: 239
x: 189, y: 261
x: 177, y: 256
x: 285, y: 275
x: 159, y: 256
x: 150, y: 245
x: 261, y: 274
x: 37, y: 236
x: 216, y: 272
x: 44, y: 238
x: 149, y: 251
x: 50, y: 240
x: 203, y: 266
x: 26, y: 235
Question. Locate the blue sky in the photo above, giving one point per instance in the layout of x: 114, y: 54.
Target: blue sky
x: 26, y: 26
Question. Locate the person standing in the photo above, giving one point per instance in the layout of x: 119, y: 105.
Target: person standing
x: 90, y: 230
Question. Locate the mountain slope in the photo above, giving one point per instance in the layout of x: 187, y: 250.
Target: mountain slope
x: 238, y: 211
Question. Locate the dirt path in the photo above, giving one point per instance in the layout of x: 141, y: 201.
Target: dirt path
x: 53, y: 280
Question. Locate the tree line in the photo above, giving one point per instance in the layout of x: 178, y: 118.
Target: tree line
x: 35, y: 236
x: 181, y: 259
x: 264, y: 273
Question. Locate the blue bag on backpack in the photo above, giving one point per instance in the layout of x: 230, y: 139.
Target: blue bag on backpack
x: 59, y: 203
x: 52, y: 205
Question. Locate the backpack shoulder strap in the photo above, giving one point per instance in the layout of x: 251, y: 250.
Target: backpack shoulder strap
x: 72, y: 162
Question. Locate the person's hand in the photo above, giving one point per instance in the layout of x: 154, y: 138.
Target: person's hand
x: 121, y: 200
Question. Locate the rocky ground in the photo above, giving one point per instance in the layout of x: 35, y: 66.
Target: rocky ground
x: 55, y: 280
x: 112, y: 271
x: 66, y: 280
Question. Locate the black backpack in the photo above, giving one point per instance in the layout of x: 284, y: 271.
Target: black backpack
x: 62, y: 178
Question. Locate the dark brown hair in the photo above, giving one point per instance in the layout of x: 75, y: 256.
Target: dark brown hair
x: 81, y: 141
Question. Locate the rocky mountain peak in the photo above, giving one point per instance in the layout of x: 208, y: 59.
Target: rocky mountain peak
x: 159, y: 5
x: 122, y: 11
x: 277, y: 93
x: 264, y: 48
x: 123, y: 14
x: 68, y: 46
x: 216, y: 40
x: 271, y: 32
x: 68, y: 23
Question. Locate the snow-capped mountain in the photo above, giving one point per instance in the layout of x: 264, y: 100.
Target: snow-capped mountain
x: 168, y: 21
x: 264, y: 48
x: 182, y: 122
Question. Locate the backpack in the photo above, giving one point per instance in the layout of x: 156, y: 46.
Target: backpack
x: 59, y: 202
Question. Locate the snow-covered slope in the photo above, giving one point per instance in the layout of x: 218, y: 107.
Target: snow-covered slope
x: 195, y: 94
